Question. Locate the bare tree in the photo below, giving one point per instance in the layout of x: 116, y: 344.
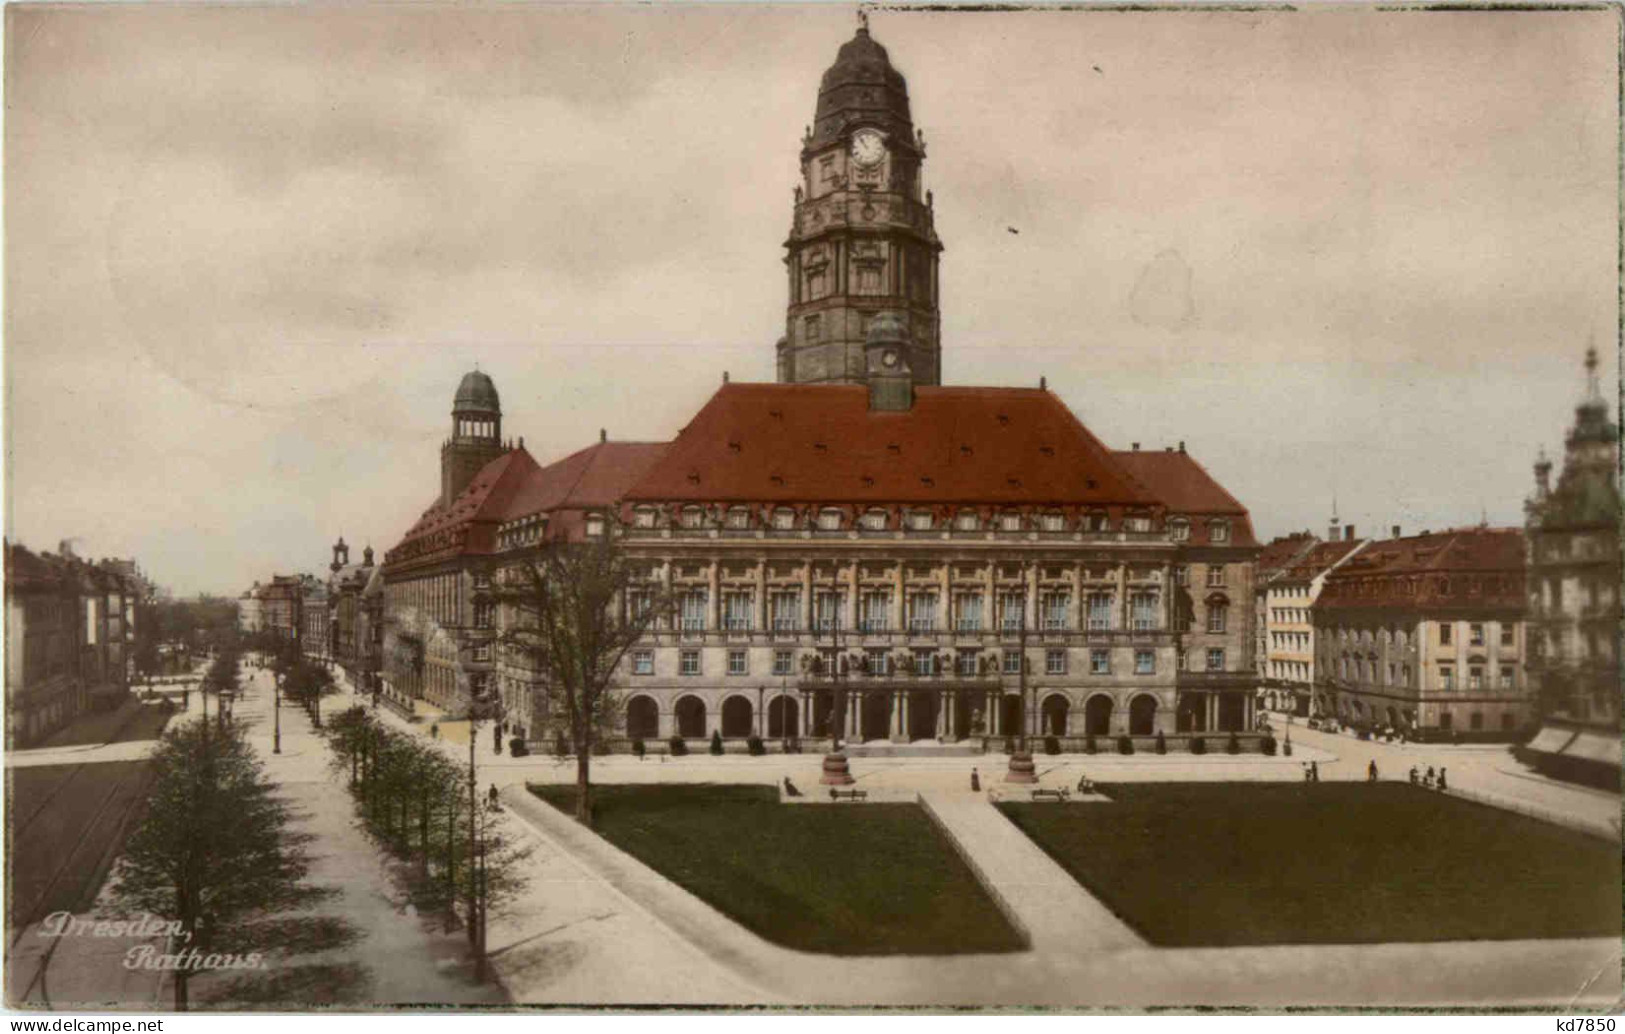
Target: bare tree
x: 576, y: 608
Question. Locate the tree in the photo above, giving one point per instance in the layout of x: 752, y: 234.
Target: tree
x: 577, y: 608
x: 214, y: 848
x: 306, y: 685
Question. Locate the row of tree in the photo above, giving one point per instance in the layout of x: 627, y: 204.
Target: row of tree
x: 425, y: 809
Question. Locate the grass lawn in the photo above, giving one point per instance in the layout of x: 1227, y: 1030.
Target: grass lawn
x: 870, y: 879
x: 1211, y: 864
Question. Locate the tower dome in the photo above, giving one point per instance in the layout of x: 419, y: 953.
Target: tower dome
x: 476, y: 394
x: 861, y: 86
x: 887, y: 328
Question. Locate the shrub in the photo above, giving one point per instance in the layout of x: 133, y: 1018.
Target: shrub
x: 679, y: 746
x: 1234, y: 746
x: 1267, y: 745
x: 560, y: 748
x: 1162, y: 743
x: 518, y: 747
x: 1198, y: 745
x: 638, y: 748
x: 1089, y: 743
x: 716, y: 742
x: 1052, y: 745
x: 1125, y: 745
x: 754, y: 745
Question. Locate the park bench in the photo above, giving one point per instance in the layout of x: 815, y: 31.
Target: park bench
x: 1052, y: 795
x: 848, y: 795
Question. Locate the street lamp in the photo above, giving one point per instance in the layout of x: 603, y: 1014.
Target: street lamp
x: 1022, y: 769
x: 836, y: 770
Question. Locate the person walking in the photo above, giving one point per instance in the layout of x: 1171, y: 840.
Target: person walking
x: 1428, y: 782
x: 1415, y: 777
x: 975, y: 781
x: 1371, y: 771
x: 1314, y: 771
x: 1442, y: 786
x: 1308, y: 776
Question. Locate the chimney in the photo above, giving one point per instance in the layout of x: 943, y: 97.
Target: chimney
x: 1043, y: 384
x: 1396, y: 532
x: 603, y: 434
x: 725, y: 376
x: 1348, y: 533
x: 1182, y: 446
x: 1136, y: 446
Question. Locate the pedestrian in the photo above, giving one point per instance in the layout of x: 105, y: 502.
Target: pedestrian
x: 1430, y: 776
x: 1371, y: 771
x: 1314, y: 771
x: 492, y: 798
x: 1415, y: 778
x: 975, y: 781
x: 1441, y: 780
x: 790, y: 788
x: 1307, y: 776
x: 434, y: 731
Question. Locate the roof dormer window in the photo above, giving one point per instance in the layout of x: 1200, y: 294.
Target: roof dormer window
x: 967, y: 520
x: 784, y: 518
x: 1009, y: 522
x: 919, y: 520
x: 738, y: 517
x: 874, y: 520
x: 1052, y: 522
x: 693, y: 517
x: 1179, y: 529
x: 1218, y: 531
x: 829, y: 520
x: 644, y: 517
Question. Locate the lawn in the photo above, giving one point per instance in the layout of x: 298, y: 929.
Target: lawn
x: 868, y: 879
x: 1213, y: 864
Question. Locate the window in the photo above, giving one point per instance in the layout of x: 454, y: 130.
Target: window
x: 1447, y: 721
x: 689, y: 662
x: 1136, y: 522
x: 874, y: 520
x: 1215, y: 576
x: 784, y: 518
x: 1012, y: 662
x: 969, y: 618
x: 1143, y: 611
x: 812, y: 329
x: 966, y: 520
x: 1182, y: 575
x: 919, y: 520
x: 1012, y: 611
x: 1055, y: 662
x: 1181, y: 661
x: 638, y: 604
x: 1145, y: 662
x: 1218, y: 617
x: 925, y: 662
x: 879, y: 662
x: 738, y: 663
x: 873, y: 610
x: 1052, y: 522
x: 643, y: 662
x: 1009, y: 522
x: 595, y: 525
x: 1100, y: 611
x: 827, y: 609
x: 1475, y: 678
x: 693, y: 517
x: 1506, y: 635
x: 1444, y: 634
x: 868, y: 280
x: 1215, y: 660
x: 482, y: 615
x: 1447, y: 677
x: 782, y: 662
x: 965, y: 662
x: 1179, y: 530
x: 482, y: 652
x: 1507, y: 680
x: 1056, y: 605
x: 739, y: 611
x: 1100, y: 662
x: 1475, y: 633
x: 738, y: 517
x: 692, y: 607
x: 1218, y: 531
x: 786, y: 610
x: 829, y: 520
x: 922, y: 612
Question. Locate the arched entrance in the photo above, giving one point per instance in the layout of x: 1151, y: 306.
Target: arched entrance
x: 642, y: 718
x: 876, y: 717
x: 1054, y: 712
x: 783, y: 716
x: 1191, y: 714
x: 922, y: 715
x: 1097, y: 715
x: 691, y: 718
x: 1393, y: 717
x: 736, y: 718
x: 1012, y: 715
x: 1142, y: 715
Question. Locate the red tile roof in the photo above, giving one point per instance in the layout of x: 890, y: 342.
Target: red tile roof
x: 594, y: 478
x: 468, y: 525
x: 1185, y: 487
x: 1279, y: 554
x: 1319, y: 559
x: 822, y: 443
x: 1463, y: 567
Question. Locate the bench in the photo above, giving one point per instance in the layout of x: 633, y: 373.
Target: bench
x: 848, y: 795
x: 1052, y: 795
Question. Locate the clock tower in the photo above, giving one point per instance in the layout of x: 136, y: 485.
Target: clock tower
x: 863, y: 240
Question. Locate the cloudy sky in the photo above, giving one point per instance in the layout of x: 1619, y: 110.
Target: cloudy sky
x: 251, y: 251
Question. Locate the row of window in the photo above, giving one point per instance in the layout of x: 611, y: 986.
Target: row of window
x: 832, y: 519
x: 1360, y: 669
x: 923, y: 612
x: 879, y: 662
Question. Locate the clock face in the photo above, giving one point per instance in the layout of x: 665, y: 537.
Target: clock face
x: 868, y: 147
x: 889, y: 359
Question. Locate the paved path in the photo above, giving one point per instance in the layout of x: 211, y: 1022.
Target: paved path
x: 1051, y: 907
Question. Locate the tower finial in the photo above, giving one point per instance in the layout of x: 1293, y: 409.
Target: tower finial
x: 1593, y: 387
x: 863, y: 21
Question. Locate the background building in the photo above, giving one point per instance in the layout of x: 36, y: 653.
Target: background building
x: 1426, y: 634
x: 1288, y: 609
x: 1574, y: 603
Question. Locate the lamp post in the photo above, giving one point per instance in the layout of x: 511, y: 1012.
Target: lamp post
x: 1022, y: 769
x: 836, y: 770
